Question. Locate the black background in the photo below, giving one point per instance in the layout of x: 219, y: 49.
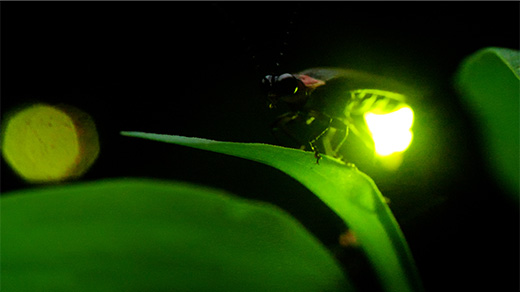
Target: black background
x: 193, y: 68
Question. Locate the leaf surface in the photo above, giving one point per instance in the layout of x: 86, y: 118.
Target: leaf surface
x: 348, y: 192
x: 489, y: 81
x: 149, y: 235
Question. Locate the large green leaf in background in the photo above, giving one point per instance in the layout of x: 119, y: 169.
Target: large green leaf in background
x: 489, y: 81
x: 148, y: 235
x: 347, y: 191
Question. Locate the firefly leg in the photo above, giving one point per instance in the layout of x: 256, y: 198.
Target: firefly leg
x: 332, y: 137
x: 341, y: 134
x: 326, y: 121
x: 282, y: 123
x: 314, y: 148
x: 303, y: 129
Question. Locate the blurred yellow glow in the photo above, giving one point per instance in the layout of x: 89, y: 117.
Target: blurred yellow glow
x: 44, y: 143
x: 391, y: 132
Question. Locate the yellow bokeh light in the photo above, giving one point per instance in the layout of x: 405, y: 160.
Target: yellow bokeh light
x: 44, y: 143
x: 391, y: 132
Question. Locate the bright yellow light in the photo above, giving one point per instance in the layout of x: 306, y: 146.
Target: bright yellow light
x: 391, y: 132
x: 44, y: 143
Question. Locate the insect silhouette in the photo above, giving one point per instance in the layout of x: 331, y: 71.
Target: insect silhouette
x: 326, y: 104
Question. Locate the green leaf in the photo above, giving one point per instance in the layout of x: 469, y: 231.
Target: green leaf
x: 489, y: 81
x: 148, y: 235
x: 347, y: 191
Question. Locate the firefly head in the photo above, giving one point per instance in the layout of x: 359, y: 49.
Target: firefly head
x: 284, y: 86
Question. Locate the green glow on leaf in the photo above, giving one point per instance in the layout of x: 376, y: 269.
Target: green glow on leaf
x: 391, y: 132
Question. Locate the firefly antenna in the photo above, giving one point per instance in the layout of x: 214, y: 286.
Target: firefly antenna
x: 262, y: 56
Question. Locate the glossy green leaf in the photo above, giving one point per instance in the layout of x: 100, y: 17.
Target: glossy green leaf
x: 489, y: 81
x: 347, y: 191
x: 148, y: 235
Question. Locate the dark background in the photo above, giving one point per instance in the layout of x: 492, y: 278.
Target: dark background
x: 193, y: 68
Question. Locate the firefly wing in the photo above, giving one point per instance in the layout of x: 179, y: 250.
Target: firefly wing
x: 355, y: 80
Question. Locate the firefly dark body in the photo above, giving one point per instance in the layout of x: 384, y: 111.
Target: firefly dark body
x: 325, y: 104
